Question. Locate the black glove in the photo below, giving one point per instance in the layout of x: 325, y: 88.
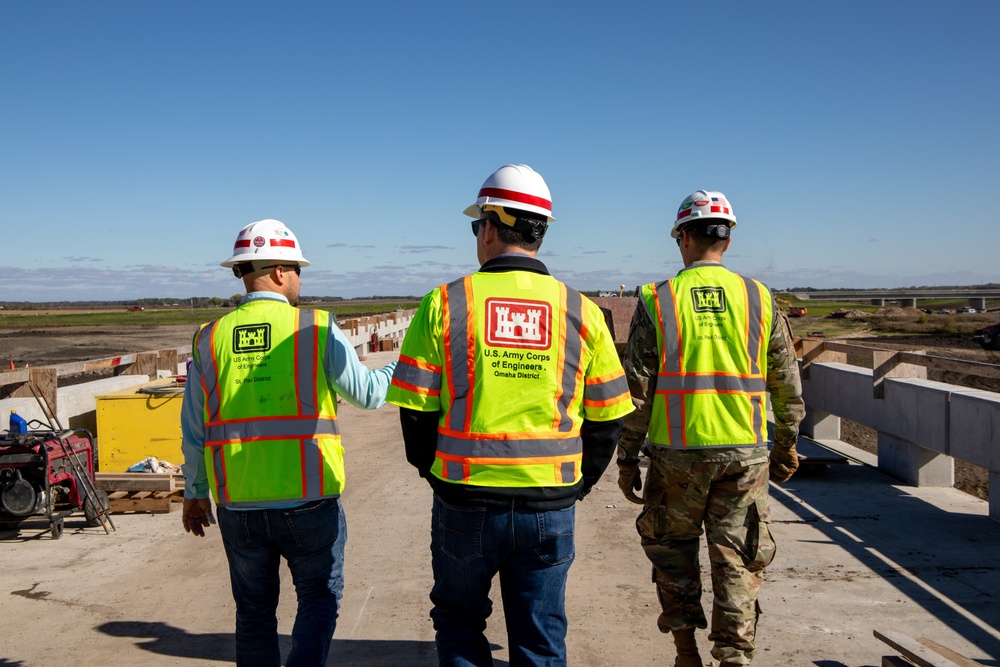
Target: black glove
x: 630, y: 479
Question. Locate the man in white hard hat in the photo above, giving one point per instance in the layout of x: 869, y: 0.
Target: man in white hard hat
x: 259, y: 424
x: 511, y: 399
x: 703, y: 349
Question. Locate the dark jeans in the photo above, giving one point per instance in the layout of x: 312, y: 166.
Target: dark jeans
x: 532, y: 551
x: 311, y: 539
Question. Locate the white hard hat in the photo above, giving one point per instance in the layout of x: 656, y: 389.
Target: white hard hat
x: 702, y: 205
x: 517, y: 186
x: 266, y: 240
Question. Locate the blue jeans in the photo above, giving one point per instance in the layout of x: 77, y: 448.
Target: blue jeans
x: 532, y: 551
x: 311, y: 539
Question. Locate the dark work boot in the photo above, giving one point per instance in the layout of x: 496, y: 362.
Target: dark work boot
x: 687, y: 649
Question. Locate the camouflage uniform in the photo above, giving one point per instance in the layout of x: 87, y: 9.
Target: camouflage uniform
x: 723, y: 489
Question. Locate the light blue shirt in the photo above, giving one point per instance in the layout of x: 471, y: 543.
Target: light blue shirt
x: 346, y: 374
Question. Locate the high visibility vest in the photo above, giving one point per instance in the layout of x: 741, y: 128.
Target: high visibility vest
x: 713, y: 328
x: 513, y: 362
x: 270, y: 417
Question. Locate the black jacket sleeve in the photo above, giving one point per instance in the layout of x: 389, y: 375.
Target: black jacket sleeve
x: 599, y: 442
x: 419, y: 437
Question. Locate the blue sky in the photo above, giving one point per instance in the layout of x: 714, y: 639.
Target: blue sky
x: 857, y: 141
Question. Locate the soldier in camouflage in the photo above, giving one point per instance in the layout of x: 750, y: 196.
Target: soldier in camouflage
x: 709, y: 463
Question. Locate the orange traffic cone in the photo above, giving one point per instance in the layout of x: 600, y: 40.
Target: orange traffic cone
x: 11, y: 364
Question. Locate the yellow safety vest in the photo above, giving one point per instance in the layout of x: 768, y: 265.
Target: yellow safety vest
x: 713, y: 327
x: 270, y: 417
x: 513, y: 362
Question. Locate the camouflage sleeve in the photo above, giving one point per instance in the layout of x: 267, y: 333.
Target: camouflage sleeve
x: 641, y: 366
x: 783, y: 382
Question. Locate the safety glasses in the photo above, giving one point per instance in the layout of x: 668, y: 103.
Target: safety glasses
x: 296, y: 268
x: 476, y: 224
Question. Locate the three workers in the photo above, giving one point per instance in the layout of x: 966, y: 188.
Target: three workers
x: 512, y: 401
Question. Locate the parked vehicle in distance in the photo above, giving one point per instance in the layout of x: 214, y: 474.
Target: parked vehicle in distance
x: 967, y: 309
x: 133, y: 309
x: 988, y: 337
x: 944, y: 311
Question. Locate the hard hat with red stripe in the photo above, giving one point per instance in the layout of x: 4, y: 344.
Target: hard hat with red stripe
x: 266, y: 240
x: 703, y: 205
x: 514, y: 186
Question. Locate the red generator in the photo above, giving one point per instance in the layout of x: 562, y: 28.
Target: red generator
x: 42, y: 473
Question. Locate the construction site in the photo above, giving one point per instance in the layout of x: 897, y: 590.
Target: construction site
x: 881, y: 561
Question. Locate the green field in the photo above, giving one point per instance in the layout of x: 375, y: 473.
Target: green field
x: 192, y: 316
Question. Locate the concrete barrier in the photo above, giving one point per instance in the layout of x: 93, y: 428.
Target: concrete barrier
x: 922, y: 425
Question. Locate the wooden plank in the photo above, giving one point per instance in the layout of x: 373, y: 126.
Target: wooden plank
x: 895, y: 661
x: 166, y: 360
x: 151, y: 505
x: 946, y: 652
x: 912, y: 650
x: 43, y: 380
x: 144, y: 501
x: 124, y: 481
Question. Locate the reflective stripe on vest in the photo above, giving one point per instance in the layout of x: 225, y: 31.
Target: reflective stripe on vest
x: 675, y: 382
x: 549, y: 455
x: 307, y: 439
x: 417, y: 376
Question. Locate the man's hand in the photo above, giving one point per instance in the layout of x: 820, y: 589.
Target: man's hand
x: 783, y: 463
x: 197, y: 515
x: 630, y: 480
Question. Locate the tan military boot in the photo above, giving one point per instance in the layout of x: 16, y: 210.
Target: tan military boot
x: 687, y: 649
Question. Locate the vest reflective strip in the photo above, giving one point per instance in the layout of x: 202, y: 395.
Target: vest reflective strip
x: 209, y: 368
x: 219, y: 464
x: 605, y: 390
x: 417, y: 376
x: 670, y: 358
x: 459, y: 341
x: 461, y: 469
x: 306, y: 354
x: 666, y: 317
x: 710, y: 382
x: 755, y: 327
x: 270, y: 428
x: 569, y: 367
x: 518, y: 451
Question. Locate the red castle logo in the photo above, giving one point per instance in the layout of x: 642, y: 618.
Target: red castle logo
x: 518, y: 323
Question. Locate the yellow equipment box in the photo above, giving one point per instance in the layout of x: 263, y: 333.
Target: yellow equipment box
x: 138, y: 422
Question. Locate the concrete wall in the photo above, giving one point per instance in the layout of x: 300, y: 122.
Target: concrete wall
x: 76, y: 406
x: 922, y: 425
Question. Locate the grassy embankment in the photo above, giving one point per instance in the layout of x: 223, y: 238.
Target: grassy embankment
x: 168, y: 316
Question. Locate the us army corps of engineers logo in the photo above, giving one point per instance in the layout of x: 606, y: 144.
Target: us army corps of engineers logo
x: 252, y: 338
x: 518, y: 323
x: 708, y: 299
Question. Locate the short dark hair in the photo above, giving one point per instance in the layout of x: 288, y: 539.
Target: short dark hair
x: 708, y: 234
x: 527, y: 226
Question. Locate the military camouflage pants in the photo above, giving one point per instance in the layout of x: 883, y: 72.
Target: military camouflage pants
x: 683, y: 492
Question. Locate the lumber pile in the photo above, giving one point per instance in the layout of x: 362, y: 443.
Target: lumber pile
x: 141, y: 492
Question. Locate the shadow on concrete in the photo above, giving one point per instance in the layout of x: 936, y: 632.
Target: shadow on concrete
x: 899, y: 537
x: 164, y: 639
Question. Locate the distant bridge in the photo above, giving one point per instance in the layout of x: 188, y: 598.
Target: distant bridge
x: 906, y: 297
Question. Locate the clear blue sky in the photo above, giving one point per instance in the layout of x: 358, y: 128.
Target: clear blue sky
x: 857, y: 141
